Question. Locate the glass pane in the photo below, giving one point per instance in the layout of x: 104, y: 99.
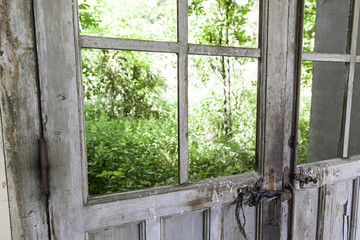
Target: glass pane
x: 354, y: 144
x: 224, y: 22
x: 321, y: 104
x: 222, y: 116
x: 135, y: 19
x: 130, y: 119
x: 326, y: 26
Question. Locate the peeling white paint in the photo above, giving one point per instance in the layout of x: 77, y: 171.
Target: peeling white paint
x: 4, y: 202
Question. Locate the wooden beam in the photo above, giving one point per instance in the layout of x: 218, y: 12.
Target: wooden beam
x: 223, y: 51
x: 21, y: 125
x: 183, y: 91
x: 325, y: 57
x: 330, y: 171
x: 128, y: 44
x: 107, y: 211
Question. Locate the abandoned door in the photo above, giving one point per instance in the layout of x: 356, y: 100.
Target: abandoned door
x: 86, y: 67
x: 327, y: 129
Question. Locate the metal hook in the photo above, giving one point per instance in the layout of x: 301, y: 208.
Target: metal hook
x: 273, y: 221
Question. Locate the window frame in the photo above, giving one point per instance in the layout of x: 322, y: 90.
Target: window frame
x: 183, y: 49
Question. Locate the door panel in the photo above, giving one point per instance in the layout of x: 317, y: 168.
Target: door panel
x: 126, y: 231
x: 100, y: 212
x: 192, y: 226
x: 203, y: 209
x: 305, y: 211
x: 230, y: 228
x: 57, y: 62
x: 328, y: 209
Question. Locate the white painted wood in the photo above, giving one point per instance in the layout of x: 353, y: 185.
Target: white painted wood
x: 291, y: 76
x: 210, y: 193
x: 337, y: 210
x: 127, y: 231
x: 357, y: 226
x: 332, y: 171
x: 215, y: 222
x: 325, y: 57
x: 329, y: 205
x: 20, y: 193
x: 128, y: 44
x: 184, y: 226
x: 4, y: 200
x: 96, y: 42
x: 354, y: 220
x: 153, y: 228
x: 231, y: 230
x: 58, y: 65
x: 305, y: 212
x: 183, y: 149
x: 168, y: 212
x: 196, y: 49
x: 275, y: 104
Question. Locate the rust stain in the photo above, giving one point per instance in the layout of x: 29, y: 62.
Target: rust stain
x: 328, y: 192
x: 271, y: 180
x: 9, y: 64
x: 198, y: 202
x: 337, y: 209
x: 4, y: 184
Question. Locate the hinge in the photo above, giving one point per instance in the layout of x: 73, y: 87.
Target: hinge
x: 44, y: 167
x: 293, y: 141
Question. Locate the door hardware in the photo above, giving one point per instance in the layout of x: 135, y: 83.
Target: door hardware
x: 304, y: 179
x: 273, y: 221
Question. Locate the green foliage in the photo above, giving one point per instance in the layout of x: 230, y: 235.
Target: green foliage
x: 131, y: 110
x: 122, y: 82
x: 140, y: 19
x: 306, y: 82
x: 127, y: 153
x: 309, y: 25
x: 89, y: 17
x: 221, y: 22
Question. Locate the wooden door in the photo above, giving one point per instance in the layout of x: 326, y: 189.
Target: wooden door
x: 328, y: 208
x: 187, y: 210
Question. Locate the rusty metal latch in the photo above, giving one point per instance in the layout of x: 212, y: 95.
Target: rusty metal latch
x: 255, y: 195
x: 303, y: 179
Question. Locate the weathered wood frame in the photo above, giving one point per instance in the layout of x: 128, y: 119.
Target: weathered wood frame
x: 55, y: 53
x: 182, y: 48
x: 65, y: 195
x: 329, y: 172
x: 62, y: 114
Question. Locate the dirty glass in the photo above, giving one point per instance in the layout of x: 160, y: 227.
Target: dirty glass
x: 326, y: 25
x: 222, y: 116
x: 135, y: 19
x: 130, y: 108
x: 224, y: 22
x: 320, y: 113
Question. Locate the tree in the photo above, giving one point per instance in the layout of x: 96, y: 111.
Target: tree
x: 221, y: 23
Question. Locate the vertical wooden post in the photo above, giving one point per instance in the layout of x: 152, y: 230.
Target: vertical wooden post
x: 183, y: 90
